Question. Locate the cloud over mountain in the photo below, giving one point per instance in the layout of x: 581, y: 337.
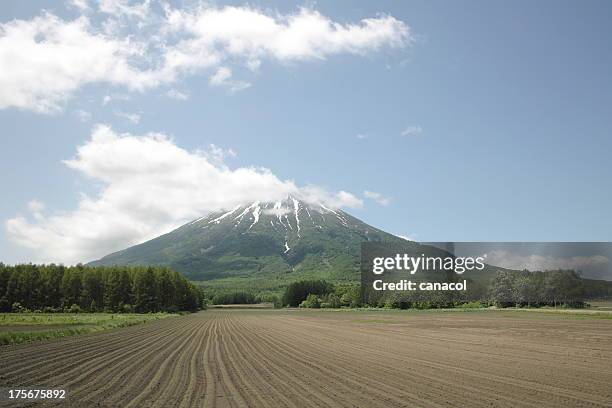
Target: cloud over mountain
x: 149, y: 185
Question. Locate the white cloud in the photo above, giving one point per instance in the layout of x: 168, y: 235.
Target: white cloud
x: 132, y: 117
x: 217, y: 155
x: 148, y: 186
x: 81, y: 5
x: 362, y: 136
x: 278, y: 212
x: 46, y: 59
x: 222, y: 77
x: 117, y: 97
x: 178, y: 95
x: 535, y: 262
x: 254, y: 65
x: 316, y: 194
x: 83, y: 115
x: 412, y: 131
x: 36, y: 208
x: 246, y: 32
x: 379, y: 198
x: 123, y: 8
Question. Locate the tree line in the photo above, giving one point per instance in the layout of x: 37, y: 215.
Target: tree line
x: 235, y: 298
x: 535, y: 289
x: 321, y: 294
x: 55, y: 288
x: 507, y: 289
x: 298, y: 291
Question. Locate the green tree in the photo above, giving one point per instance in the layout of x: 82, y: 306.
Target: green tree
x: 352, y: 296
x: 145, y: 291
x: 312, y: 301
x: 502, y: 289
x: 334, y: 300
x: 167, y: 289
x: 24, y: 286
x: 51, y: 278
x: 5, y: 274
x: 71, y: 286
x: 5, y: 306
x: 117, y: 288
x: 297, y: 292
x: 92, y: 294
x: 522, y: 289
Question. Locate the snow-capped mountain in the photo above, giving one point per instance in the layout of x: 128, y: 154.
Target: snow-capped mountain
x: 267, y: 239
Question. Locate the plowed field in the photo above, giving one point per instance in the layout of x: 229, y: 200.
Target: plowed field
x: 269, y: 358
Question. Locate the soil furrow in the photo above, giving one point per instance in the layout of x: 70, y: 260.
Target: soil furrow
x: 297, y: 358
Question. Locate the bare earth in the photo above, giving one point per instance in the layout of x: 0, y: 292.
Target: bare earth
x: 270, y: 358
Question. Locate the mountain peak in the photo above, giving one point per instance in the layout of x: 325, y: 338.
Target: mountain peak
x: 289, y: 213
x: 261, y: 237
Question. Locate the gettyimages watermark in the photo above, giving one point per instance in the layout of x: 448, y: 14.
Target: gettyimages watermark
x: 446, y: 273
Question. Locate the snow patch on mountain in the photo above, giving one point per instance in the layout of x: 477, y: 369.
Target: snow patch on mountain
x: 296, y: 207
x: 256, y: 213
x: 289, y: 216
x: 227, y: 214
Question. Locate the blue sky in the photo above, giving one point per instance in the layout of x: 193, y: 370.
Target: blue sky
x: 490, y: 121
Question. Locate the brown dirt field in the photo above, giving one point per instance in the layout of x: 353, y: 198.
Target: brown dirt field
x: 271, y: 358
x: 245, y: 306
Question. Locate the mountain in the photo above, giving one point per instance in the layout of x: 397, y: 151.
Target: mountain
x: 265, y: 245
x: 279, y: 241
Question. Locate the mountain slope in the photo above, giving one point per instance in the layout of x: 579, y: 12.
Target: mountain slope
x: 279, y: 241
